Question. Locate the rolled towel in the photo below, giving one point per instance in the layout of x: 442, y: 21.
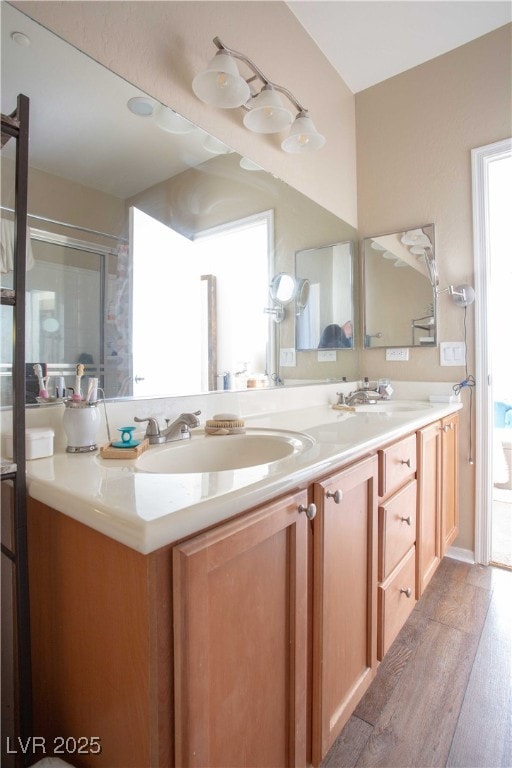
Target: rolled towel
x: 7, y: 247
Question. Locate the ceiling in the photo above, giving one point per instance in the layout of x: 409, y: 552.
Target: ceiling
x: 368, y: 41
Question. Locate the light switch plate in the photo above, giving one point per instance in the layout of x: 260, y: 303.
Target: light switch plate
x: 398, y: 353
x: 327, y: 356
x: 287, y: 357
x: 452, y: 353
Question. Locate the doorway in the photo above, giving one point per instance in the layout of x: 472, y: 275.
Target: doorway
x: 492, y: 197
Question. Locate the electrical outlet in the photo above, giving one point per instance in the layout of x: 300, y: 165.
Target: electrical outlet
x: 327, y: 356
x: 398, y: 353
x: 287, y: 357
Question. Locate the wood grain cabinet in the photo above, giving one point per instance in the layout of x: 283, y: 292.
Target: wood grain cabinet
x: 449, y: 481
x: 249, y: 644
x: 344, y: 598
x: 429, y: 505
x: 240, y: 629
x: 438, y: 501
x: 397, y: 539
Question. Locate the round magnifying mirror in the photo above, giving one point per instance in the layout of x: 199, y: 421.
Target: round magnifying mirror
x: 302, y: 297
x: 282, y: 288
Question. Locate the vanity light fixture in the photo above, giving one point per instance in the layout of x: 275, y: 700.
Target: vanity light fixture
x: 222, y: 85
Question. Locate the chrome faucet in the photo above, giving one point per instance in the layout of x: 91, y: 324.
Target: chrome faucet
x: 364, y: 395
x: 360, y: 396
x: 179, y: 429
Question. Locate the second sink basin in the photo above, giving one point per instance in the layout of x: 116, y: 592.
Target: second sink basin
x: 390, y: 406
x: 218, y: 453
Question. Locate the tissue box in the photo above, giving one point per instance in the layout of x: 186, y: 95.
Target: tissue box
x: 38, y: 443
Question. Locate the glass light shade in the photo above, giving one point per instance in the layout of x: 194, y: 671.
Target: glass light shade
x: 249, y: 165
x: 169, y: 120
x: 303, y: 136
x: 221, y: 85
x: 267, y: 113
x: 216, y: 146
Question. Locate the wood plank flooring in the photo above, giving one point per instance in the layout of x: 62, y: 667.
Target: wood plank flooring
x: 442, y: 695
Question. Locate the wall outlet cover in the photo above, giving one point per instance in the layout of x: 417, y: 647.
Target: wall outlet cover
x: 452, y: 353
x: 398, y: 353
x: 287, y: 357
x: 327, y: 356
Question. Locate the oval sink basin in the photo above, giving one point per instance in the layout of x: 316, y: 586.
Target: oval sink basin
x: 219, y: 453
x: 391, y: 407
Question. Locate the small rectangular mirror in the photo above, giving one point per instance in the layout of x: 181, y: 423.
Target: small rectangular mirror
x: 326, y: 320
x: 399, y: 289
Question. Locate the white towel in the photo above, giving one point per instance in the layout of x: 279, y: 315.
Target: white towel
x: 7, y: 247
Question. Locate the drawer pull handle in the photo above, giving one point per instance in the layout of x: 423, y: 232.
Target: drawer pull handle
x: 406, y: 461
x: 406, y: 520
x: 335, y: 495
x: 310, y: 510
x: 407, y: 592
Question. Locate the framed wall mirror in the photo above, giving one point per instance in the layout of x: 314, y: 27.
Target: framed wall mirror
x: 111, y: 169
x: 325, y: 320
x: 400, y: 277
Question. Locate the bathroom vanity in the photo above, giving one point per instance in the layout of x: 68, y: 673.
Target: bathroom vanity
x: 248, y: 629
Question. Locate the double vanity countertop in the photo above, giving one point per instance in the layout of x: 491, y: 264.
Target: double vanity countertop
x: 146, y: 510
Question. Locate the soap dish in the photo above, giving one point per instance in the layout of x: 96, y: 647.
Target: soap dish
x: 109, y: 451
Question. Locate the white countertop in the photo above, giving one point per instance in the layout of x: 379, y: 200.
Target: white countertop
x: 147, y: 511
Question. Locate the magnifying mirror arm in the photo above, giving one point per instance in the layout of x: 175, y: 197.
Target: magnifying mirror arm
x: 277, y: 313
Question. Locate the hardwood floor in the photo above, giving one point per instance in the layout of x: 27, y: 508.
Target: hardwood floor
x: 442, y: 695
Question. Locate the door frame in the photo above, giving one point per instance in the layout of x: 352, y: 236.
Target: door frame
x: 481, y: 158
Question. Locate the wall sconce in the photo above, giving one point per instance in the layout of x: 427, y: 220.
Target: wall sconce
x: 222, y: 85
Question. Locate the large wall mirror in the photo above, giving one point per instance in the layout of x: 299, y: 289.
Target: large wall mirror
x: 399, y: 289
x: 152, y: 244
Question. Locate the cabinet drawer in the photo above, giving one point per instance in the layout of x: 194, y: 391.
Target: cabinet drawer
x: 394, y: 603
x: 397, y: 463
x: 397, y: 528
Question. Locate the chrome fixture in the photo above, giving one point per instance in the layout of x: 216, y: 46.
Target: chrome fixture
x: 179, y: 429
x: 222, y: 85
x: 284, y: 289
x: 462, y: 295
x: 360, y: 397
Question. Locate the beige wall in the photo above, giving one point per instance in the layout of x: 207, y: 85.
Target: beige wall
x: 415, y: 133
x: 160, y: 46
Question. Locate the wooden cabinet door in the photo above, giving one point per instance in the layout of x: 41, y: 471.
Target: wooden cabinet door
x: 344, y: 598
x: 450, y: 481
x: 240, y: 624
x: 428, y: 543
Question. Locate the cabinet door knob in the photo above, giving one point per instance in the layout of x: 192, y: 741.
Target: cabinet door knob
x: 407, y: 592
x: 406, y: 520
x: 335, y: 495
x: 446, y: 428
x: 310, y: 510
x: 406, y: 461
